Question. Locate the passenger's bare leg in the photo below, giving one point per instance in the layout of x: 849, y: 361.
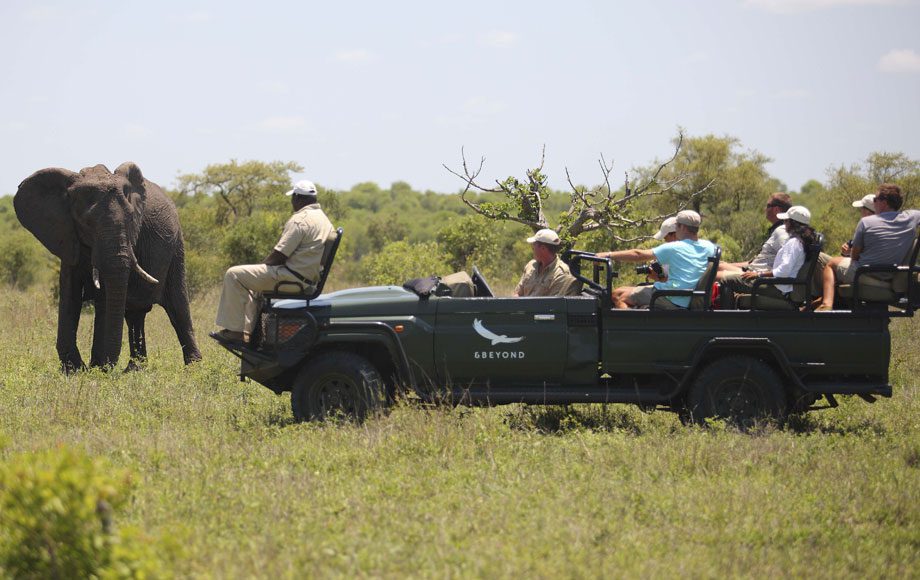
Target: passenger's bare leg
x: 829, y: 280
x: 619, y: 296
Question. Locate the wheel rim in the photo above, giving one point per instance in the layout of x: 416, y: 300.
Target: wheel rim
x: 740, y: 399
x: 335, y: 392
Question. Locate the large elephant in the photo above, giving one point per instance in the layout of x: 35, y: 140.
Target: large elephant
x: 120, y: 245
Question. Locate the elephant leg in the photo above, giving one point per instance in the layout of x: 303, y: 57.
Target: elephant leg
x: 175, y: 302
x: 98, y: 352
x: 71, y: 299
x: 136, y: 339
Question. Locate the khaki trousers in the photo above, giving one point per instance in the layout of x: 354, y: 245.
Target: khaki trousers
x: 242, y: 284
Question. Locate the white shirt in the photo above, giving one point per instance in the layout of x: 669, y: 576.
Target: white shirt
x: 788, y: 262
x: 768, y: 252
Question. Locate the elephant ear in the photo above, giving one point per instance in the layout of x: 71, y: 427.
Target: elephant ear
x: 136, y: 191
x: 43, y: 207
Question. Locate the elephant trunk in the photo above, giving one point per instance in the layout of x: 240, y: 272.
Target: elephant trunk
x: 116, y: 292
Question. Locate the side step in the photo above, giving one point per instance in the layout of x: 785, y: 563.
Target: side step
x: 553, y: 395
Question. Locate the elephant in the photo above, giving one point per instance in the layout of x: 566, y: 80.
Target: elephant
x: 120, y: 245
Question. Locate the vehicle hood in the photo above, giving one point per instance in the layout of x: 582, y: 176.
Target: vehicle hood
x: 355, y: 298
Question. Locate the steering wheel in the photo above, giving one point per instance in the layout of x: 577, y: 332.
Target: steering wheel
x: 479, y: 281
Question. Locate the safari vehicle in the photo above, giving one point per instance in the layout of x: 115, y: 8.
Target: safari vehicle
x: 354, y: 350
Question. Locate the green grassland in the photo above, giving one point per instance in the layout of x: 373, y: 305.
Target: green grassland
x: 584, y: 491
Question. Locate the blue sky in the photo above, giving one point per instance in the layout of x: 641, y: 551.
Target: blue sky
x: 373, y: 91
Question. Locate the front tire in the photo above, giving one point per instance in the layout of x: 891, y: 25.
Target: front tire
x: 337, y: 383
x: 740, y: 389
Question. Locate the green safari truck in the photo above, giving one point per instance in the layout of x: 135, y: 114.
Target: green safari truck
x: 353, y: 351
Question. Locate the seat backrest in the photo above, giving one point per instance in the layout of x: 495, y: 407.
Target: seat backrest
x: 802, y: 290
x: 900, y: 282
x: 330, y: 247
x: 706, y: 281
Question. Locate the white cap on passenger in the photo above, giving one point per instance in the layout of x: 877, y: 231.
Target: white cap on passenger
x: 868, y: 202
x: 546, y: 236
x: 798, y: 213
x: 303, y: 188
x: 668, y: 226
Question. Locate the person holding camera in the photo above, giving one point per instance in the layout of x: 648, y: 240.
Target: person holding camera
x: 685, y: 260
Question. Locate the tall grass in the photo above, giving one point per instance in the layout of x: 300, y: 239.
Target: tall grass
x: 583, y: 491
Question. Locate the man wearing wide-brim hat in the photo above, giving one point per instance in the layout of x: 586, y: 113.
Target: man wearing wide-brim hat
x: 546, y: 274
x: 295, y: 258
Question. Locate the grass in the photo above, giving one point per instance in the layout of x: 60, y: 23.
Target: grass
x: 583, y: 491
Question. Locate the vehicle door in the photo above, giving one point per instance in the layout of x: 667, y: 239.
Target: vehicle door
x: 501, y: 341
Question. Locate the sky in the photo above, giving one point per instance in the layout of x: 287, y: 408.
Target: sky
x: 391, y: 91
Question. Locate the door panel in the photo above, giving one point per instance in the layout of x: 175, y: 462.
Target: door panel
x: 500, y: 341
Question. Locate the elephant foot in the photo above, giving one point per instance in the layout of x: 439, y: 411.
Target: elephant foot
x: 192, y: 357
x: 72, y: 364
x: 133, y: 366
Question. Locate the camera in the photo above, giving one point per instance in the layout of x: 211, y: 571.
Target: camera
x: 649, y: 268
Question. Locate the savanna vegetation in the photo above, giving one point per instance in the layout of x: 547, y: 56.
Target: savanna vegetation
x: 185, y: 471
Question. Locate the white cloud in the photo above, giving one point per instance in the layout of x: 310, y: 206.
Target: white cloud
x: 480, y: 105
x: 792, y: 94
x: 355, y: 55
x: 900, y: 61
x: 41, y: 13
x: 198, y: 16
x: 291, y: 124
x: 796, y: 6
x: 135, y: 131
x: 498, y: 38
x: 277, y: 88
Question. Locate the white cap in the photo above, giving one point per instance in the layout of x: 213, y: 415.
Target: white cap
x: 688, y: 217
x: 798, y: 213
x: 867, y: 202
x: 547, y: 236
x: 303, y: 188
x: 668, y: 226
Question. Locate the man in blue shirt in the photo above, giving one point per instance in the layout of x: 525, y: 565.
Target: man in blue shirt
x: 684, y: 261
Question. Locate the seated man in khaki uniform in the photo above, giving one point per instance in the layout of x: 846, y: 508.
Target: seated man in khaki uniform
x: 295, y: 258
x: 546, y: 274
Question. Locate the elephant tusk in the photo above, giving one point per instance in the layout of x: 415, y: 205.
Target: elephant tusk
x: 96, y: 279
x: 145, y: 275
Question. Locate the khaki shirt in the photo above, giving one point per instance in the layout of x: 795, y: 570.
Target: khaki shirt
x: 303, y: 240
x: 553, y: 280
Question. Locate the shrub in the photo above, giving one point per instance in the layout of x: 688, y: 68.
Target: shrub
x: 57, y: 515
x: 470, y: 240
x: 202, y: 272
x: 401, y: 261
x: 251, y: 238
x: 20, y: 259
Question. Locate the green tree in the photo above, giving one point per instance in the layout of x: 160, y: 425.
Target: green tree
x: 242, y: 187
x: 468, y: 241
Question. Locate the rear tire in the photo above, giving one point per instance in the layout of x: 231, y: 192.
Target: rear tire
x: 337, y: 383
x: 740, y: 389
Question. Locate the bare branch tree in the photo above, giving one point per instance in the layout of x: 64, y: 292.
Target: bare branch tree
x: 598, y: 208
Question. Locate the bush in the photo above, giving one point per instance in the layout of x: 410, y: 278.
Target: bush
x: 470, y: 240
x: 20, y: 259
x: 202, y: 272
x: 250, y: 239
x: 401, y: 261
x: 57, y: 515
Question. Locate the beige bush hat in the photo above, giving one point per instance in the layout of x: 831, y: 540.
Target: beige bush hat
x: 798, y: 213
x: 668, y: 226
x: 868, y: 202
x: 688, y: 217
x: 547, y: 236
x: 303, y: 188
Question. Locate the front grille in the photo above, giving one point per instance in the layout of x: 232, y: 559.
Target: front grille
x: 278, y: 330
